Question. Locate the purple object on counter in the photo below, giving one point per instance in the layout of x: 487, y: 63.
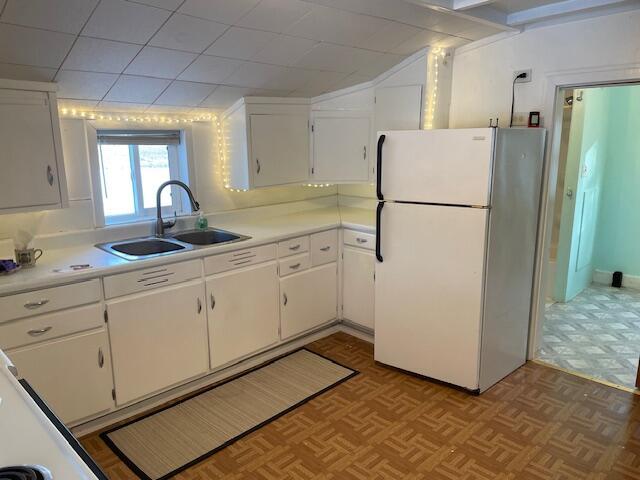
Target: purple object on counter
x: 7, y: 266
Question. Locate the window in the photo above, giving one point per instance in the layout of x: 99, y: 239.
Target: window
x: 133, y: 164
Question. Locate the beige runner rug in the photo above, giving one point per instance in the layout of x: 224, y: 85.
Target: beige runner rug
x: 159, y: 445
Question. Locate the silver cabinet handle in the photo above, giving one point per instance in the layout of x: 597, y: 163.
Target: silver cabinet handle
x: 100, y: 358
x: 258, y: 168
x: 295, y: 247
x: 39, y: 331
x: 364, y: 154
x: 293, y: 267
x: 325, y: 249
x: 36, y: 304
x: 570, y: 193
x: 285, y: 300
x: 50, y: 175
x: 199, y: 305
x: 213, y: 301
x: 361, y: 240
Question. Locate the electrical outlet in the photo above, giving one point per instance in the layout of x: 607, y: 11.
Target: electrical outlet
x: 526, y: 79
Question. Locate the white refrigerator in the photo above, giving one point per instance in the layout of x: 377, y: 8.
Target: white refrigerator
x: 456, y: 227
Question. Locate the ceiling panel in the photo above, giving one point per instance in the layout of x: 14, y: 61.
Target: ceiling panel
x: 30, y: 46
x: 254, y: 75
x: 66, y: 16
x: 84, y: 85
x: 160, y: 62
x: 326, y: 56
x: 511, y: 6
x: 122, y: 106
x: 390, y: 36
x: 25, y: 72
x: 125, y: 21
x: 224, y: 96
x: 135, y: 89
x: 185, y: 94
x: 166, y: 4
x: 380, y: 65
x: 351, y: 80
x: 242, y: 43
x: 275, y: 15
x: 225, y: 11
x: 420, y: 40
x: 319, y: 82
x: 191, y: 34
x: 208, y: 69
x: 96, y: 55
x: 284, y: 50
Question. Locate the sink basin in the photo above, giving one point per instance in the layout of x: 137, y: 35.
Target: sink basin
x: 136, y: 249
x: 210, y: 236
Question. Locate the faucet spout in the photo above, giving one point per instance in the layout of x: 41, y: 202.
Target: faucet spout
x: 161, y: 224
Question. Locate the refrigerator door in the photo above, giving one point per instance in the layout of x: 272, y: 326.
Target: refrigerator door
x: 451, y: 167
x: 429, y: 290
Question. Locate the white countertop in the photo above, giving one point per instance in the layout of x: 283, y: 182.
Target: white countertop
x: 261, y: 230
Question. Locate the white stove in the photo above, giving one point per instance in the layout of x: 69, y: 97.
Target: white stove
x: 34, y: 444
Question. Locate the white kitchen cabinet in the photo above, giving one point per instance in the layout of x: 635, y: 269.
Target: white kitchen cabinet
x: 33, y: 175
x: 72, y: 374
x: 243, y: 312
x: 308, y: 299
x: 267, y: 142
x: 398, y: 108
x: 358, y: 286
x: 158, y: 339
x: 341, y: 148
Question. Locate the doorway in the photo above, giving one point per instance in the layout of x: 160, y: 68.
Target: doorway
x: 591, y: 327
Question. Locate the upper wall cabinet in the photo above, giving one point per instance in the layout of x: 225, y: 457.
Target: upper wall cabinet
x: 31, y: 155
x: 398, y: 108
x: 340, y: 147
x: 267, y: 142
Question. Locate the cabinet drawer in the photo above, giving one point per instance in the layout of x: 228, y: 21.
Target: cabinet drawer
x: 324, y: 247
x: 294, y: 264
x: 48, y: 300
x: 293, y: 246
x: 52, y: 325
x: 239, y: 258
x: 359, y: 239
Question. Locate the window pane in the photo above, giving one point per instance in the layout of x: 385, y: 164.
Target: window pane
x: 154, y: 170
x: 117, y: 184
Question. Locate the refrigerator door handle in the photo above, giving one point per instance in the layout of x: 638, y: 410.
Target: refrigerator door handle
x: 379, y: 168
x: 378, y: 229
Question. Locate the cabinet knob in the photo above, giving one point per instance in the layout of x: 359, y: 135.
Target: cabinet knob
x: 213, y: 301
x: 100, y: 358
x: 285, y: 300
x: 258, y: 165
x: 50, y: 175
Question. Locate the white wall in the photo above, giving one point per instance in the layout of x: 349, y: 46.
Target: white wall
x: 482, y: 74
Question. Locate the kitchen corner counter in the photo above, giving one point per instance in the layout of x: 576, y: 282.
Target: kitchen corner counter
x: 261, y: 230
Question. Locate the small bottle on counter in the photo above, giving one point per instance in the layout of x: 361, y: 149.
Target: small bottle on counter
x: 202, y: 223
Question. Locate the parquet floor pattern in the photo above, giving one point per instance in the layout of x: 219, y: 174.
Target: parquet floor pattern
x: 537, y: 424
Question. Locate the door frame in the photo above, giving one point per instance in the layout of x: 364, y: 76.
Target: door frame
x: 552, y: 110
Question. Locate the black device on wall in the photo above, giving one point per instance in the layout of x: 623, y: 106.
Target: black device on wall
x: 617, y: 280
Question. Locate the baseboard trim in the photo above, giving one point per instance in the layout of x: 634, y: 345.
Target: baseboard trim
x: 605, y: 278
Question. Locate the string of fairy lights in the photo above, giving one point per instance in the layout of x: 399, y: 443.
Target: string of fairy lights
x: 435, y: 56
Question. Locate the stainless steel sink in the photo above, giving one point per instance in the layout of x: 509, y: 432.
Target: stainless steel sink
x: 135, y: 249
x: 211, y: 236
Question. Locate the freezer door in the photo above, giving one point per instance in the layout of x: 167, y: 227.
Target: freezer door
x: 451, y: 167
x: 428, y: 290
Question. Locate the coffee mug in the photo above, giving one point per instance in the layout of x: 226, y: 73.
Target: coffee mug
x: 27, y: 257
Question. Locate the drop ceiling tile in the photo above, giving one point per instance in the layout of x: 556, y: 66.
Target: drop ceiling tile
x: 121, y: 107
x: 275, y: 15
x: 39, y: 48
x: 168, y: 110
x: 191, y: 34
x: 254, y: 75
x: 160, y: 62
x: 242, y: 43
x: 478, y: 31
x: 224, y: 95
x: 134, y: 89
x: 66, y: 16
x: 284, y: 50
x: 97, y: 55
x: 84, y: 85
x: 290, y: 78
x: 337, y: 58
x: 321, y: 82
x: 166, y: 4
x: 390, y: 36
x: 225, y: 11
x: 451, y: 42
x: 208, y: 69
x: 351, y: 80
x: 418, y: 41
x: 186, y: 94
x: 125, y: 21
x: 25, y: 72
x: 381, y: 65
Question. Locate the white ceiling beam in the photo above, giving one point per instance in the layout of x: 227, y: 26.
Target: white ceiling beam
x: 485, y: 14
x: 466, y: 4
x: 566, y: 7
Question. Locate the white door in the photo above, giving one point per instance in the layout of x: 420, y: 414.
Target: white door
x: 158, y: 339
x: 341, y: 149
x: 358, y: 286
x: 71, y: 374
x: 428, y: 290
x: 450, y: 167
x: 244, y: 313
x: 28, y: 158
x: 279, y: 149
x: 308, y: 299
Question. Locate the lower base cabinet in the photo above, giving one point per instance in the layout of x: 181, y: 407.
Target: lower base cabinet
x: 308, y: 299
x: 158, y: 339
x: 243, y: 312
x: 358, y: 286
x: 71, y: 374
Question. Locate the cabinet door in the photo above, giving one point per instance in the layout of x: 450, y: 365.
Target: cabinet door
x: 308, y: 299
x: 158, y: 339
x: 358, y: 286
x: 340, y: 149
x: 73, y: 374
x: 29, y: 167
x: 279, y: 149
x: 243, y: 312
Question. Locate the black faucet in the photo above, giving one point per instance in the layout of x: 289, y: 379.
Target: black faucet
x: 160, y: 224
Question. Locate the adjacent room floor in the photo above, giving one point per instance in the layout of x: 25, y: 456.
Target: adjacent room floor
x: 596, y: 334
x: 538, y: 423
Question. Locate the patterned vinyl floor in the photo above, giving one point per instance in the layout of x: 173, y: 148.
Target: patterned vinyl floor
x: 539, y: 423
x: 596, y: 334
